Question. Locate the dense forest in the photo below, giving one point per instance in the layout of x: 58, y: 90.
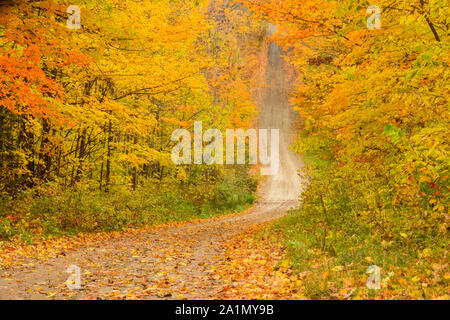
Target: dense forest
x: 87, y: 114
x: 91, y: 92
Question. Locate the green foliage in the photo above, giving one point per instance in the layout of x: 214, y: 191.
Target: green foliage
x: 86, y: 116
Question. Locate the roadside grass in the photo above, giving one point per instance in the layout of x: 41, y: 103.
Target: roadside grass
x: 51, y: 212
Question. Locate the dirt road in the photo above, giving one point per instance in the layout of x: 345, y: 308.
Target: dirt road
x: 169, y: 262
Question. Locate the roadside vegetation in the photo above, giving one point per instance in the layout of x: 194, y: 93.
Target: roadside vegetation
x: 375, y: 144
x: 86, y: 115
x: 50, y: 211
